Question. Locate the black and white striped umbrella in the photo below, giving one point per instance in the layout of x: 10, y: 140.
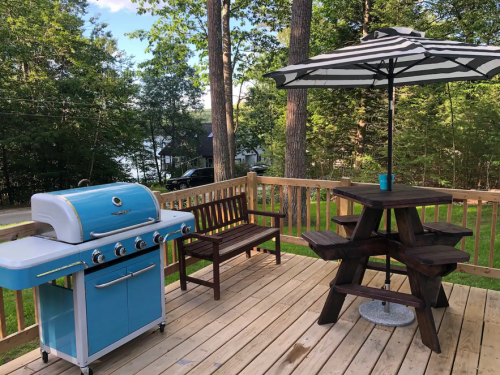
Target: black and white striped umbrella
x: 389, y: 57
x: 415, y: 60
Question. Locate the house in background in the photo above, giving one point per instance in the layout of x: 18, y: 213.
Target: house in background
x: 205, y: 154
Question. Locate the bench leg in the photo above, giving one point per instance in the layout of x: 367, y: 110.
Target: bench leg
x: 182, y: 265
x: 216, y: 271
x: 335, y: 300
x: 249, y: 254
x: 425, y: 319
x: 277, y: 249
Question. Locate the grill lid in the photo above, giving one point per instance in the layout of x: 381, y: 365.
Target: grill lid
x: 83, y: 214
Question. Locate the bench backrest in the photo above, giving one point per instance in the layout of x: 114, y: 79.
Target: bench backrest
x: 219, y: 213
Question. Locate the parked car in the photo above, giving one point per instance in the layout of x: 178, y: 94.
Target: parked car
x: 191, y: 178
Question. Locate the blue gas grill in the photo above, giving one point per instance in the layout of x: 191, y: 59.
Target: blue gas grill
x: 108, y: 238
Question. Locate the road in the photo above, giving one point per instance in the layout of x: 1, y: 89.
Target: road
x: 14, y: 215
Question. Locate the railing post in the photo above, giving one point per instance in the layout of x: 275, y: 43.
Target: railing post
x: 252, y: 193
x: 344, y: 204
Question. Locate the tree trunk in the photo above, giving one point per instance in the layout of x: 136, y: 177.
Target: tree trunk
x: 153, y: 140
x: 219, y: 124
x: 296, y: 109
x: 228, y: 83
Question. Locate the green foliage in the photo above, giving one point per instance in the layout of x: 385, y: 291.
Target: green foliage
x: 432, y: 147
x: 63, y: 99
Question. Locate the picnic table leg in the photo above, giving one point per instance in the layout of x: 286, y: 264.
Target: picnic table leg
x: 428, y: 333
x: 441, y: 300
x: 335, y: 300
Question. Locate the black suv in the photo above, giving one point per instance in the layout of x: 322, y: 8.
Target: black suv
x: 192, y: 178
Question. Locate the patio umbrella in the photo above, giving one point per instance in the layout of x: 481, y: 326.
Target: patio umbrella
x: 390, y: 57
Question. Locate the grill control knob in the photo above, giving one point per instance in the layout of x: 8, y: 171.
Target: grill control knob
x: 120, y: 250
x: 98, y: 257
x: 140, y: 244
x: 157, y: 238
x: 185, y: 229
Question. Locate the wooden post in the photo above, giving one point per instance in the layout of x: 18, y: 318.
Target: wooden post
x: 252, y: 193
x: 344, y: 204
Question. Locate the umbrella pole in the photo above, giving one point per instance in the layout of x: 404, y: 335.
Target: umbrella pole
x: 390, y: 79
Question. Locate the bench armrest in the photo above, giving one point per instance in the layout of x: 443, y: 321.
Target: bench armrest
x: 202, y: 237
x: 266, y: 213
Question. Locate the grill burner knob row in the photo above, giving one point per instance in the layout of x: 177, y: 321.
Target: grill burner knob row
x: 98, y: 257
x: 120, y: 250
x: 140, y: 244
x: 157, y: 238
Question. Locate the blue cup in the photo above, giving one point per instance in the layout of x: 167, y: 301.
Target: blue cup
x: 382, y: 178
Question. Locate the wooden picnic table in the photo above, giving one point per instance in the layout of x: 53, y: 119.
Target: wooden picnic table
x: 426, y: 250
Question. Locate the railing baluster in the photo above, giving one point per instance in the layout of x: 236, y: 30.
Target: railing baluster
x: 493, y: 229
x: 282, y: 210
x: 290, y: 215
x: 3, y: 324
x: 337, y: 203
x: 423, y: 214
x: 464, y: 223
x: 449, y: 213
x: 308, y: 206
x: 299, y: 212
x: 271, y: 193
x: 478, y: 228
x: 351, y: 208
x: 327, y: 209
x: 436, y: 213
x: 264, y: 204
x: 19, y: 309
x: 318, y: 209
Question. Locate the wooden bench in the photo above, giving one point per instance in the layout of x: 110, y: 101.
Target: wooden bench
x: 235, y: 235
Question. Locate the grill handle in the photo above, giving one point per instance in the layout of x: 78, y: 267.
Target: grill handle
x: 105, y: 285
x: 100, y: 235
x: 131, y: 274
x: 143, y: 270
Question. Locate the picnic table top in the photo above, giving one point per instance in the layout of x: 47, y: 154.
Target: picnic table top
x: 401, y: 196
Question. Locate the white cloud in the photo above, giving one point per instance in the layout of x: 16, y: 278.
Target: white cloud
x: 115, y: 5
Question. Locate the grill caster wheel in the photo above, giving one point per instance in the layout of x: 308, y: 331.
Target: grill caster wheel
x: 162, y: 327
x: 86, y: 371
x: 45, y: 356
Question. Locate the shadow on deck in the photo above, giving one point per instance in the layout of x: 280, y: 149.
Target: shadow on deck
x: 265, y: 323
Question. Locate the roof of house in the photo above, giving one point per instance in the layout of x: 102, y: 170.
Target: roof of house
x: 205, y: 148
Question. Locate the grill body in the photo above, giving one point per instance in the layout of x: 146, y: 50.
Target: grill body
x: 117, y: 277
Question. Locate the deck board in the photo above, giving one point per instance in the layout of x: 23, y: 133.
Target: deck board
x: 265, y: 323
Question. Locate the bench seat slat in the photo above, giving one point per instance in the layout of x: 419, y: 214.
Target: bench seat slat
x: 346, y: 219
x: 437, y: 255
x: 447, y: 229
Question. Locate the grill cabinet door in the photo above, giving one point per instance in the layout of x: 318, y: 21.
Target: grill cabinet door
x: 144, y: 293
x: 107, y: 316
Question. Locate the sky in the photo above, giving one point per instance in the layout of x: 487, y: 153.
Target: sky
x: 121, y: 17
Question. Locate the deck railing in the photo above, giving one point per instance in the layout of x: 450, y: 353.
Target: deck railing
x: 316, y: 204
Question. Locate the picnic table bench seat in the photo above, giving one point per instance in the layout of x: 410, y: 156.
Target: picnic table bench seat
x: 223, y: 231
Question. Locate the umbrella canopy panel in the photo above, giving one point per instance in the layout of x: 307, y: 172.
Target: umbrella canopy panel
x: 417, y: 60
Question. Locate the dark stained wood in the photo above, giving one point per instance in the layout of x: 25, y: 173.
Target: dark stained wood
x: 437, y: 255
x: 323, y: 239
x: 346, y: 219
x: 229, y: 241
x: 400, y: 196
x: 380, y: 294
x: 424, y: 314
x: 395, y: 268
x: 448, y: 229
x: 368, y: 223
x: 335, y: 299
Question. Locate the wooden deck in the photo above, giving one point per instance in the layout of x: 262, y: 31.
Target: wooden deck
x: 265, y: 323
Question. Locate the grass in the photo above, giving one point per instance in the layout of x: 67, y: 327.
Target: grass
x: 455, y: 277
